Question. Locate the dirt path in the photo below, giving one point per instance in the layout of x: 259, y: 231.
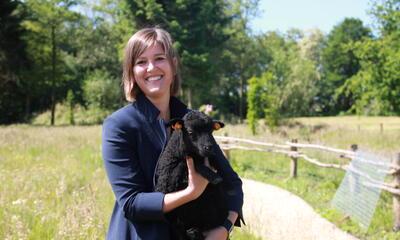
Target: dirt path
x: 275, y: 214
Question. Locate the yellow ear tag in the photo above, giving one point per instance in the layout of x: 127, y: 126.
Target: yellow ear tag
x: 217, y: 126
x: 177, y: 126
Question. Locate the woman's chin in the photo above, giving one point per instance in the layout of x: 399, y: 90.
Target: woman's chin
x: 156, y: 92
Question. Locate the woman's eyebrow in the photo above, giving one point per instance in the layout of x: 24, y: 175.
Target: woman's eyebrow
x: 157, y: 54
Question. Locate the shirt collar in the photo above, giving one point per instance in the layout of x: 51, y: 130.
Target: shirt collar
x: 147, y: 108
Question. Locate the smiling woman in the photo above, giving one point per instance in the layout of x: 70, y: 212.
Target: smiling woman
x: 150, y: 52
x: 135, y: 135
x: 153, y: 73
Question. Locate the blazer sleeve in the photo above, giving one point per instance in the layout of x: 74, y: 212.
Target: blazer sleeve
x: 232, y: 184
x: 125, y: 174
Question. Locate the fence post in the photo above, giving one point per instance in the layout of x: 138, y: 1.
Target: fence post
x: 226, y: 151
x: 353, y: 178
x: 381, y: 127
x: 396, y: 198
x: 293, y: 162
x: 354, y: 147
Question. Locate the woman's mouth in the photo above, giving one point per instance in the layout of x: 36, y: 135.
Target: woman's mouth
x: 153, y: 78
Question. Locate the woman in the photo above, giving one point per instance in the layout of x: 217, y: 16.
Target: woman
x: 134, y: 136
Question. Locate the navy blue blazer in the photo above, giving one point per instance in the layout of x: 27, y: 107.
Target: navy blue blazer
x: 132, y: 140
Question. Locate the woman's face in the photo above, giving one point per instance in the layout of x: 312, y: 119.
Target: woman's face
x: 153, y: 72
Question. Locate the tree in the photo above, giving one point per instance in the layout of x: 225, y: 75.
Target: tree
x: 45, y: 25
x: 12, y: 62
x: 339, y: 63
x: 376, y: 86
x: 263, y: 100
x: 238, y: 60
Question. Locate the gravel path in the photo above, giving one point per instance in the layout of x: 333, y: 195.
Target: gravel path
x: 273, y: 213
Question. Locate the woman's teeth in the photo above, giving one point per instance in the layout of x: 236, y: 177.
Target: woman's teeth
x: 154, y: 78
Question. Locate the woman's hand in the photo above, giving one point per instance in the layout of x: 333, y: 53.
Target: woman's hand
x: 197, y: 183
x: 219, y: 233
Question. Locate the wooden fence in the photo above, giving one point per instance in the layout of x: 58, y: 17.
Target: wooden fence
x: 292, y: 149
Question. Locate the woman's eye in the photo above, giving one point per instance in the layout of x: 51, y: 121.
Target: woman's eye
x: 140, y: 62
x: 160, y: 58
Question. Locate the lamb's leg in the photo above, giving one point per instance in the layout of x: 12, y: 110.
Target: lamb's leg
x: 207, y: 173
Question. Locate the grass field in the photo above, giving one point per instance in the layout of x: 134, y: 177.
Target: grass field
x: 53, y: 184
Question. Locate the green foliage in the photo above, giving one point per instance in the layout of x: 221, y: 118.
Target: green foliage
x: 82, y: 115
x: 101, y: 91
x: 263, y: 101
x: 46, y: 26
x: 289, y: 86
x: 302, y: 85
x: 238, y: 58
x: 387, y: 14
x: 376, y: 86
x: 49, y: 47
x: 340, y: 63
x: 13, y: 60
x: 254, y: 101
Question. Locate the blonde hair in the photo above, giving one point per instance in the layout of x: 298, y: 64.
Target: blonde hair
x: 136, y: 45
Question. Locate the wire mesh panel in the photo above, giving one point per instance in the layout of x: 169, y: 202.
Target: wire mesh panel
x: 359, y: 191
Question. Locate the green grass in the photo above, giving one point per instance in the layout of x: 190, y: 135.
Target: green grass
x: 53, y: 184
x: 317, y: 185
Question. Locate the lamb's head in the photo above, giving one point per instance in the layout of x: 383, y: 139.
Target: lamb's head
x: 196, y: 129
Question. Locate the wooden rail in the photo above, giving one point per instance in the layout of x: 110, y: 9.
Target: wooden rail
x: 291, y: 149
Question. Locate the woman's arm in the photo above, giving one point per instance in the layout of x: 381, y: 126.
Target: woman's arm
x: 127, y: 179
x: 125, y: 174
x: 196, y: 185
x: 234, y: 193
x: 221, y: 233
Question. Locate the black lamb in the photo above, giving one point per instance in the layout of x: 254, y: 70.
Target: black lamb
x: 192, y: 136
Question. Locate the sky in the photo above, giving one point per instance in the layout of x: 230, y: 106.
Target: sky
x: 282, y: 15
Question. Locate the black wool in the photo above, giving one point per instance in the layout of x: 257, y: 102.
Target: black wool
x: 192, y: 137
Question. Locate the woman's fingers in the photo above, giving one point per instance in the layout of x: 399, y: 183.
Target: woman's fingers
x: 197, y: 183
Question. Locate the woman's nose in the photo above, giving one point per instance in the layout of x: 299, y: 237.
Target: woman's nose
x: 150, y: 66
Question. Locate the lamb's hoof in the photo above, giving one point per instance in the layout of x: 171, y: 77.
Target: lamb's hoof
x: 216, y: 180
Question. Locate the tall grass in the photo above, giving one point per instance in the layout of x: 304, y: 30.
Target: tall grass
x: 53, y: 184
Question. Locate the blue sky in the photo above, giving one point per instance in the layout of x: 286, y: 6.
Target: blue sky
x: 306, y: 14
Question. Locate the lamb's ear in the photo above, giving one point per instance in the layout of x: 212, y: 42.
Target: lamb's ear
x: 176, y: 123
x: 217, y: 125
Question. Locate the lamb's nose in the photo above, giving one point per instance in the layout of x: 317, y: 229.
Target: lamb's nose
x: 208, y: 148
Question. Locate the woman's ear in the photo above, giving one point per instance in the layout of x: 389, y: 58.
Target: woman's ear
x: 217, y: 125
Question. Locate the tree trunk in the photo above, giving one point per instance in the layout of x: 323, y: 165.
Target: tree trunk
x: 53, y: 74
x: 27, y: 107
x: 241, y: 101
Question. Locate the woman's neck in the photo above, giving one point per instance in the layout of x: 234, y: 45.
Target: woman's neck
x: 162, y: 104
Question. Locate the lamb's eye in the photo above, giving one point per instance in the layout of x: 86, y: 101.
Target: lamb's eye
x: 190, y: 132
